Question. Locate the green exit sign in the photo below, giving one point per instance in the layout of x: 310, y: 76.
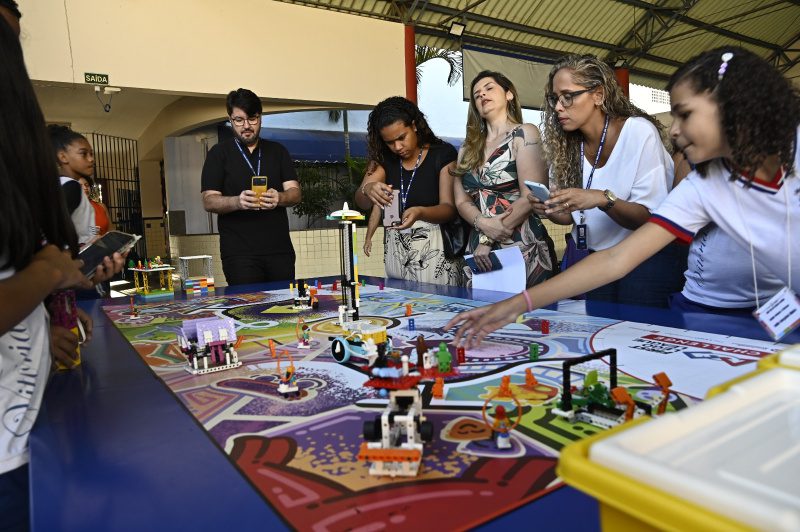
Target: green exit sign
x: 95, y: 79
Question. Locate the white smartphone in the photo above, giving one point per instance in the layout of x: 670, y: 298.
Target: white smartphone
x: 538, y: 190
x: 391, y: 213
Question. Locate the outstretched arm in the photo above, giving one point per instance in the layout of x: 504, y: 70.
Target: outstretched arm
x: 596, y: 270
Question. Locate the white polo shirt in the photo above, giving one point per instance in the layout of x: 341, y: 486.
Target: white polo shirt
x: 754, y: 213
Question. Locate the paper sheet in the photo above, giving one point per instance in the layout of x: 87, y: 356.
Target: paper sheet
x: 511, y: 278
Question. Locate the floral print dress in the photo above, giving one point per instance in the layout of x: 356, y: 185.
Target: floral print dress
x: 493, y: 189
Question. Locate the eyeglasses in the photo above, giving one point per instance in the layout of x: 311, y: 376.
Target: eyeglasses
x: 566, y: 99
x: 252, y: 120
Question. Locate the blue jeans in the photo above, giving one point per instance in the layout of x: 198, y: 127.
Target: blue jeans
x: 651, y: 283
x: 14, y: 500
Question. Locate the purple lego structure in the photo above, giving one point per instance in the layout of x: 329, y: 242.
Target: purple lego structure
x: 209, y: 345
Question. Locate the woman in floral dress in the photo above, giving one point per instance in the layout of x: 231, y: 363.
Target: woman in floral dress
x: 499, y: 154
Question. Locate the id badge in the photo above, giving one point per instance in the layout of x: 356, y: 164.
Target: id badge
x: 781, y: 314
x: 581, y: 243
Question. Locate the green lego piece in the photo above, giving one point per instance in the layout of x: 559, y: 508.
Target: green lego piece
x: 444, y: 358
x: 533, y: 352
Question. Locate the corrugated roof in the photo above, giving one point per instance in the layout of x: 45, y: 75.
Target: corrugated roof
x: 652, y: 36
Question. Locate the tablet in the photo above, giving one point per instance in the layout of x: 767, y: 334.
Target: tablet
x: 108, y: 244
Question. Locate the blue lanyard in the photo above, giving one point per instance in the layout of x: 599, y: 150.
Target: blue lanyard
x: 247, y: 159
x: 596, y: 161
x: 405, y: 190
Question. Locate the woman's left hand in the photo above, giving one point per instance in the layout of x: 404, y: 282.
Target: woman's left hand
x: 410, y: 215
x: 569, y: 200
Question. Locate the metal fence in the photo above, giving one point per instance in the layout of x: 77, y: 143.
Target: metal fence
x: 116, y: 175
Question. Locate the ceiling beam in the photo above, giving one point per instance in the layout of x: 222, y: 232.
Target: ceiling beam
x: 649, y: 29
x: 539, y: 32
x: 709, y: 27
x: 532, y: 52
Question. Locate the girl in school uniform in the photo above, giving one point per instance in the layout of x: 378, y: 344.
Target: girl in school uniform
x: 742, y: 137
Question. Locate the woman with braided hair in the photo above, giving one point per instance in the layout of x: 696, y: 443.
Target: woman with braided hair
x: 405, y: 156
x: 608, y: 161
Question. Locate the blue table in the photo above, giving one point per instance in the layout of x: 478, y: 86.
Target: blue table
x: 113, y: 449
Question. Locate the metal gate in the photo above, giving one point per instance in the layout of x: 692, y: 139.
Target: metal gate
x: 116, y: 173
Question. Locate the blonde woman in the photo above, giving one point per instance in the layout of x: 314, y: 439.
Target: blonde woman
x: 612, y: 169
x: 498, y: 155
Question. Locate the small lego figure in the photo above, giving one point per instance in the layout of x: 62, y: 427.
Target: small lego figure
x: 411, y: 325
x: 318, y: 284
x: 501, y: 428
x: 530, y: 380
x: 444, y: 358
x: 305, y: 337
x: 533, y: 352
x: 438, y: 388
x: 408, y: 309
x: 335, y: 285
x: 422, y: 349
x: 545, y: 326
x: 505, y: 386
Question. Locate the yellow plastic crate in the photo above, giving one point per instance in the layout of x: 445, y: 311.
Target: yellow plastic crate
x: 629, y: 504
x: 626, y: 504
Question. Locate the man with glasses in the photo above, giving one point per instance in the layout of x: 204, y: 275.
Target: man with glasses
x: 253, y: 226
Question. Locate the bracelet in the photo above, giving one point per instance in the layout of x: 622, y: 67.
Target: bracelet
x: 527, y: 300
x: 475, y: 220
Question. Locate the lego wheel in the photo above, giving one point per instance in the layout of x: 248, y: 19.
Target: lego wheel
x: 340, y: 350
x: 372, y: 429
x: 426, y: 431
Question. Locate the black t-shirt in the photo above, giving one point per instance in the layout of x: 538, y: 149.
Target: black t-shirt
x: 424, y: 189
x: 262, y: 232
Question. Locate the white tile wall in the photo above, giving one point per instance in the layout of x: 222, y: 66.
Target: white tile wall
x: 317, y: 251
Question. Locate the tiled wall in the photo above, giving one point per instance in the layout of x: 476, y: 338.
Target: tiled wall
x: 317, y: 251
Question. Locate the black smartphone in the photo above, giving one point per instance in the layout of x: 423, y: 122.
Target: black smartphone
x: 496, y: 265
x: 391, y: 213
x: 108, y: 244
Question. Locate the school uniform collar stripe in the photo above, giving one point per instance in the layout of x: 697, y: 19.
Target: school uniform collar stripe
x: 680, y: 233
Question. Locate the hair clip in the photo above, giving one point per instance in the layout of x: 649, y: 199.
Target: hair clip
x: 727, y: 56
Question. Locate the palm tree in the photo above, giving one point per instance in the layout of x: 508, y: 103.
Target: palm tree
x: 453, y: 58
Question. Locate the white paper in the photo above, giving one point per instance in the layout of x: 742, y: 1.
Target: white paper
x: 511, y: 278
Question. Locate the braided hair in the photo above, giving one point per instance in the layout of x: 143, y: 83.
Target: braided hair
x: 386, y: 113
x: 562, y: 148
x: 759, y: 108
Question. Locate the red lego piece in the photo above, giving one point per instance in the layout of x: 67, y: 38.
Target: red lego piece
x: 461, y: 355
x: 545, y: 327
x: 335, y: 285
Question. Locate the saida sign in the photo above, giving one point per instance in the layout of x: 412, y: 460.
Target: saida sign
x: 95, y: 79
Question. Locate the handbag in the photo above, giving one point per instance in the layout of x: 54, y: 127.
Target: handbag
x: 572, y: 255
x: 455, y: 235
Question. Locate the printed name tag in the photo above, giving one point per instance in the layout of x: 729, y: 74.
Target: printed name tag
x: 781, y: 314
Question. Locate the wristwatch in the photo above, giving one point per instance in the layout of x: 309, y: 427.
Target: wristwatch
x: 610, y: 198
x: 485, y: 240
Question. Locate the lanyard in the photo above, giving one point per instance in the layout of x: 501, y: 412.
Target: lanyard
x: 596, y: 161
x: 405, y: 190
x: 247, y: 159
x: 750, y: 237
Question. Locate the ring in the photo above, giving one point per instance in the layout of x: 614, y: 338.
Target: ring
x: 566, y: 205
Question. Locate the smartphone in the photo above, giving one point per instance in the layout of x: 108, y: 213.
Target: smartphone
x: 538, y: 190
x: 259, y: 184
x: 108, y: 244
x: 391, y: 213
x: 496, y: 265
